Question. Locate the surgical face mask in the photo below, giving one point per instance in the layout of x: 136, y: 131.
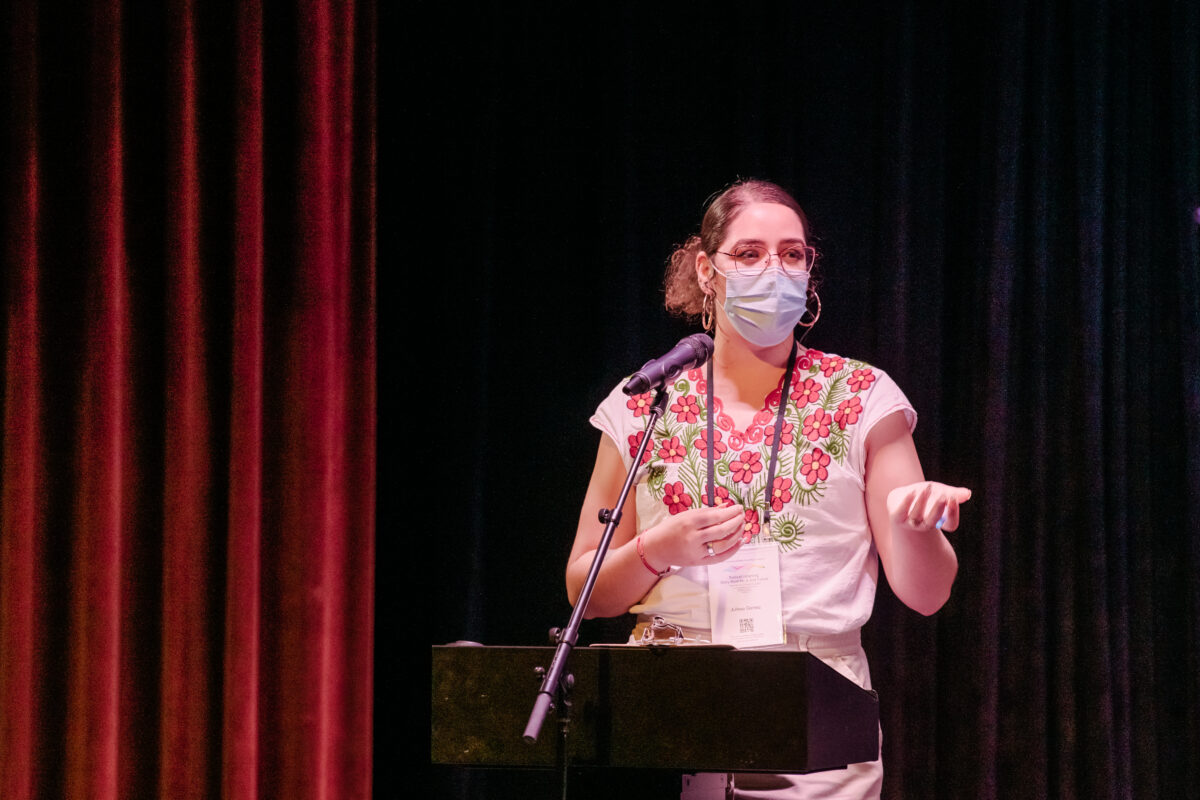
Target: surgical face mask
x: 765, y: 308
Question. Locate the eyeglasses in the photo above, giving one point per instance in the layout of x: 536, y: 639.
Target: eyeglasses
x: 753, y: 260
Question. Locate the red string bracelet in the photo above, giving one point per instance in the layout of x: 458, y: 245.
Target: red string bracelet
x: 642, y: 555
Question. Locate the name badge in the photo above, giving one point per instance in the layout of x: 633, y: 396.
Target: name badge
x: 745, y: 598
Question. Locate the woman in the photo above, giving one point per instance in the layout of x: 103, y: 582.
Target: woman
x: 810, y: 456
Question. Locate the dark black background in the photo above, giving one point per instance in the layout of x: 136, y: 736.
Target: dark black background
x: 1003, y: 198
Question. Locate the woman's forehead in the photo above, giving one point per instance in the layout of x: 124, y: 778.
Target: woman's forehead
x: 765, y: 220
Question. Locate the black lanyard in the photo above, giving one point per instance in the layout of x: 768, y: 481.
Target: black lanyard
x: 784, y: 392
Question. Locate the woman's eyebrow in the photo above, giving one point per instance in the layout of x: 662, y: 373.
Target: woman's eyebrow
x: 789, y: 240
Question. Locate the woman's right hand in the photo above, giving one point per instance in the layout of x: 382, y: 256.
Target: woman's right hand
x: 683, y: 539
x: 626, y: 575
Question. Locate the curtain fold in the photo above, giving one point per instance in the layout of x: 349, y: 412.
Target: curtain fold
x: 188, y: 486
x: 243, y: 562
x: 22, y: 551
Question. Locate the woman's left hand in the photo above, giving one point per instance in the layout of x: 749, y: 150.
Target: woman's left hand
x: 926, y: 506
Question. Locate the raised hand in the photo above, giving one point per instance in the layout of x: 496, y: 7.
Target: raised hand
x: 926, y: 506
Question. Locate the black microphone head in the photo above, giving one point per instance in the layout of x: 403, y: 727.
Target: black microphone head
x: 639, y: 382
x: 692, y: 351
x: 704, y: 346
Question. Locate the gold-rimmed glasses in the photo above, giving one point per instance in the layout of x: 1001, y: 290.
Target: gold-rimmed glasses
x: 752, y: 259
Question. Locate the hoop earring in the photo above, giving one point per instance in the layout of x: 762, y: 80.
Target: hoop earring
x: 808, y: 325
x: 706, y: 312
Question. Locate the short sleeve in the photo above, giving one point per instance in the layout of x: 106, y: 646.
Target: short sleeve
x: 880, y: 397
x: 614, y: 419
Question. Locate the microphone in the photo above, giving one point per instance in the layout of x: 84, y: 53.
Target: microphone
x: 692, y: 351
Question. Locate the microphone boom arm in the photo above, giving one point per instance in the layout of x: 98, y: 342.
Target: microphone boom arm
x: 554, y: 686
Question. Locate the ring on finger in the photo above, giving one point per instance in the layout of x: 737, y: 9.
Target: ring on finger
x: 708, y: 546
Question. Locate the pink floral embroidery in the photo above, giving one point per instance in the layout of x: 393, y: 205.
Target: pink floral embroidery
x: 860, y: 379
x: 813, y: 466
x: 803, y: 391
x: 671, y: 451
x: 781, y: 492
x: 817, y: 424
x: 635, y: 440
x: 640, y: 403
x: 785, y: 436
x: 676, y: 498
x: 848, y: 411
x: 806, y: 359
x: 745, y: 452
x: 831, y: 364
x: 701, y: 444
x: 723, y: 498
x: 686, y: 409
x: 807, y: 392
x: 745, y: 466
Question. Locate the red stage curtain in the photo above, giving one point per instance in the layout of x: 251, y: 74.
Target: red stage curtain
x: 188, y: 442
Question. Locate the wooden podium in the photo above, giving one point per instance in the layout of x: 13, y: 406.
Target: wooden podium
x: 691, y: 709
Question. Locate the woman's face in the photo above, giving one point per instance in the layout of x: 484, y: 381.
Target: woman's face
x: 768, y: 225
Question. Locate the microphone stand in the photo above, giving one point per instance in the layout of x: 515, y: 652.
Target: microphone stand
x: 555, y: 689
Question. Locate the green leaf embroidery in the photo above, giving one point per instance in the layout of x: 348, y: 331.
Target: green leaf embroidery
x: 787, y: 530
